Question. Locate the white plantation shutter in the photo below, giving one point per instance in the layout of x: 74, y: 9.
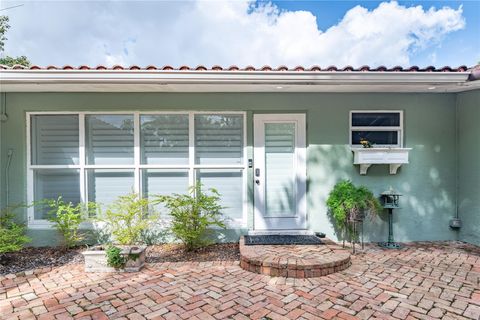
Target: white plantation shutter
x: 218, y: 139
x: 164, y: 181
x: 279, y: 165
x: 106, y: 185
x: 229, y: 184
x: 51, y: 184
x: 55, y: 139
x: 109, y: 139
x: 164, y: 139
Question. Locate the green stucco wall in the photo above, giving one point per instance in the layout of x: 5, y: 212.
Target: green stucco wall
x: 468, y: 106
x: 428, y: 182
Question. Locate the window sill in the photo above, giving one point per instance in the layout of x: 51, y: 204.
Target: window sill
x: 393, y: 156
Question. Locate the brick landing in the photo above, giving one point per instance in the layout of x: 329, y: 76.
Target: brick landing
x: 294, y: 261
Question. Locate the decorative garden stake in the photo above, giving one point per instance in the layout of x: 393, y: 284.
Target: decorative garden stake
x: 390, y: 201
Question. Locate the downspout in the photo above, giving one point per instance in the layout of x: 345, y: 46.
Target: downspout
x: 456, y: 223
x: 7, y: 179
x: 3, y: 118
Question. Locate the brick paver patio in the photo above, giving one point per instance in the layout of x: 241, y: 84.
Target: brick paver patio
x: 424, y: 280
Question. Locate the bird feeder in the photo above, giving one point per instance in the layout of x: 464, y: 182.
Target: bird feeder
x: 390, y: 200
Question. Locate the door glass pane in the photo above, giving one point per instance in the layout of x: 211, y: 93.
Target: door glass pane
x: 54, y: 183
x: 375, y: 119
x: 106, y: 185
x: 55, y: 139
x: 218, y: 139
x: 280, y: 170
x: 229, y: 184
x: 164, y: 139
x: 109, y: 139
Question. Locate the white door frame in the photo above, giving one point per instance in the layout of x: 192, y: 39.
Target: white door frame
x: 299, y: 221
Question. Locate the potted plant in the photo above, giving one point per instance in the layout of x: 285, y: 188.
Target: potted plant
x: 348, y: 204
x: 125, y: 220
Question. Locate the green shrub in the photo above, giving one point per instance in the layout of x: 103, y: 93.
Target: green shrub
x: 67, y: 218
x: 128, y: 218
x: 12, y: 234
x: 347, y: 202
x: 114, y: 258
x: 193, y: 215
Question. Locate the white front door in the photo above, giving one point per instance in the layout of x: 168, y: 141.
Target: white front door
x: 280, y: 172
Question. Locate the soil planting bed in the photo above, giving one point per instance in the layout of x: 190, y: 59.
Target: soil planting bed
x: 33, y: 258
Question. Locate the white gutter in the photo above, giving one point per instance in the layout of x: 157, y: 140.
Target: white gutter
x: 20, y: 76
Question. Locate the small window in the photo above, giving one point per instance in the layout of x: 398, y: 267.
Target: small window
x: 380, y: 128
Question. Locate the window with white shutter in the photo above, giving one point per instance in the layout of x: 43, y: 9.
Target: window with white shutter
x: 91, y: 156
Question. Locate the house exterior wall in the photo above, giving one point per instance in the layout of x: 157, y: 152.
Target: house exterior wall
x: 428, y: 183
x: 468, y: 106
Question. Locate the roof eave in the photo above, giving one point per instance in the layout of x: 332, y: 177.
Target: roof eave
x: 27, y: 78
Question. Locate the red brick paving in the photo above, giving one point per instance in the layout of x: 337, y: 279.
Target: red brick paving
x: 422, y: 281
x: 294, y: 261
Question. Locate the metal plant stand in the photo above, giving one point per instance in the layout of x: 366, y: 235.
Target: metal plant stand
x: 390, y: 201
x: 356, y: 223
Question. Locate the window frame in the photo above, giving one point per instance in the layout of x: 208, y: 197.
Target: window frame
x: 136, y: 166
x: 398, y: 129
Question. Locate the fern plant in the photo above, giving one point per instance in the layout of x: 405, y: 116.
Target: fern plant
x: 346, y: 203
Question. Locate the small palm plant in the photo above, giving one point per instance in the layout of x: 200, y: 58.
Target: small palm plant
x: 193, y: 215
x: 127, y: 218
x: 67, y: 217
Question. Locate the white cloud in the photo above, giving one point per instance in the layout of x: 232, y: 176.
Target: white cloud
x: 225, y: 33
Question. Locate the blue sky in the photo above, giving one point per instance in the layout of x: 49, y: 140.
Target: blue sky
x: 245, y: 33
x: 460, y: 47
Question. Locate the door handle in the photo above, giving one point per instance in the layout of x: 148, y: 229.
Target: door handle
x: 257, y: 181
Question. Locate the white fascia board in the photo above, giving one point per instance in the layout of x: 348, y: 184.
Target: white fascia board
x: 226, y: 77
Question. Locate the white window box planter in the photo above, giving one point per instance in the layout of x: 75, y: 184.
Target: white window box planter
x: 394, y: 157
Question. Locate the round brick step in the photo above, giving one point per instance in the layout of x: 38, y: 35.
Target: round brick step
x: 294, y: 261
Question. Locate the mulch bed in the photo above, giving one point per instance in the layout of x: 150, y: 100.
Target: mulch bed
x: 32, y: 258
x: 175, y: 253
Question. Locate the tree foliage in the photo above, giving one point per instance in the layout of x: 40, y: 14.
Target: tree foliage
x: 11, y: 61
x: 4, y: 26
x: 7, y: 60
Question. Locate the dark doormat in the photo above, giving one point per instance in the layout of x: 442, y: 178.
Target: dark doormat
x: 282, y: 240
